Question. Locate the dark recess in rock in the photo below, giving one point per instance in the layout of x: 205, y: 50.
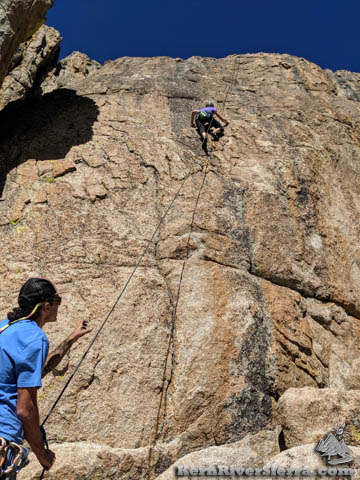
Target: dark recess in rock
x: 44, y: 128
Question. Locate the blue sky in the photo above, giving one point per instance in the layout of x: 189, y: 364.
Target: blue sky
x: 325, y: 32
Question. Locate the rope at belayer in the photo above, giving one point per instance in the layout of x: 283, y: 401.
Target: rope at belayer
x: 172, y: 328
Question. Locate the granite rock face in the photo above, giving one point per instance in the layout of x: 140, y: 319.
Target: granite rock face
x: 196, y: 354
x: 253, y: 450
x: 34, y: 57
x: 253, y: 453
x: 19, y: 20
x: 305, y: 457
x: 99, y: 461
x: 307, y: 414
x: 72, y: 69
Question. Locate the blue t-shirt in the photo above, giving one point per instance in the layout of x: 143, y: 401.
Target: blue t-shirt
x: 23, y: 351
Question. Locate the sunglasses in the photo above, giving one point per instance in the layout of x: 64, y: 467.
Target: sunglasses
x: 54, y: 299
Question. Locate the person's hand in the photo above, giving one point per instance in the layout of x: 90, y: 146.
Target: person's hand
x: 193, y: 125
x: 226, y: 124
x: 46, y: 458
x: 80, y: 330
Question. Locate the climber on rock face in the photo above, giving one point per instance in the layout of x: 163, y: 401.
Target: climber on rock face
x: 24, y: 360
x: 205, y: 122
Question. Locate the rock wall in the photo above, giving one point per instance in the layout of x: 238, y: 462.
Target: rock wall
x: 34, y: 56
x: 19, y: 20
x: 238, y: 302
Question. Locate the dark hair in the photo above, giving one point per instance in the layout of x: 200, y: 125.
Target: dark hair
x: 34, y: 291
x: 17, y: 313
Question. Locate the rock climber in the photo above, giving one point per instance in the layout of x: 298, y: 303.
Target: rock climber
x: 206, y: 122
x: 24, y: 360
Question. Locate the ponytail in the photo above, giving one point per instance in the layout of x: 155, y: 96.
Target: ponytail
x: 20, y: 313
x: 16, y: 314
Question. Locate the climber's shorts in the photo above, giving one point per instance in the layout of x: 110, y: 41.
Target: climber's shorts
x: 203, y: 127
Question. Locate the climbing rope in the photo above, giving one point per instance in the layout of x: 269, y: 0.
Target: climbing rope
x: 232, y: 80
x: 172, y: 328
x: 118, y: 298
x: 164, y: 390
x: 112, y: 308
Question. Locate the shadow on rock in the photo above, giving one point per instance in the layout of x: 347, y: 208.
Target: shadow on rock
x: 44, y: 128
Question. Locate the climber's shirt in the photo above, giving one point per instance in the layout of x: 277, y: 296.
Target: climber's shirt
x: 205, y: 114
x: 23, y: 351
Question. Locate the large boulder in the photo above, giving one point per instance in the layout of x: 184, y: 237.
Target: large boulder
x: 252, y: 451
x: 306, y: 414
x: 77, y: 460
x: 298, y: 462
x: 306, y: 459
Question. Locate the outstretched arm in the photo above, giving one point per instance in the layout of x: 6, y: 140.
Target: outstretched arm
x: 222, y: 118
x: 55, y: 357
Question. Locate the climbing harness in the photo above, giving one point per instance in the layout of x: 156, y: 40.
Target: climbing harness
x: 13, y: 457
x: 204, y: 142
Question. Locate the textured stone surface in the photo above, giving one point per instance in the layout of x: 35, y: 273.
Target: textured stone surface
x: 269, y: 297
x: 19, y: 19
x: 306, y: 414
x: 305, y: 456
x: 70, y: 70
x: 40, y: 50
x: 259, y: 455
x: 319, y: 339
x: 90, y: 460
x: 252, y: 451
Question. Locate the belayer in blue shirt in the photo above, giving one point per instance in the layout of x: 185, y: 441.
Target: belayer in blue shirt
x: 24, y: 360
